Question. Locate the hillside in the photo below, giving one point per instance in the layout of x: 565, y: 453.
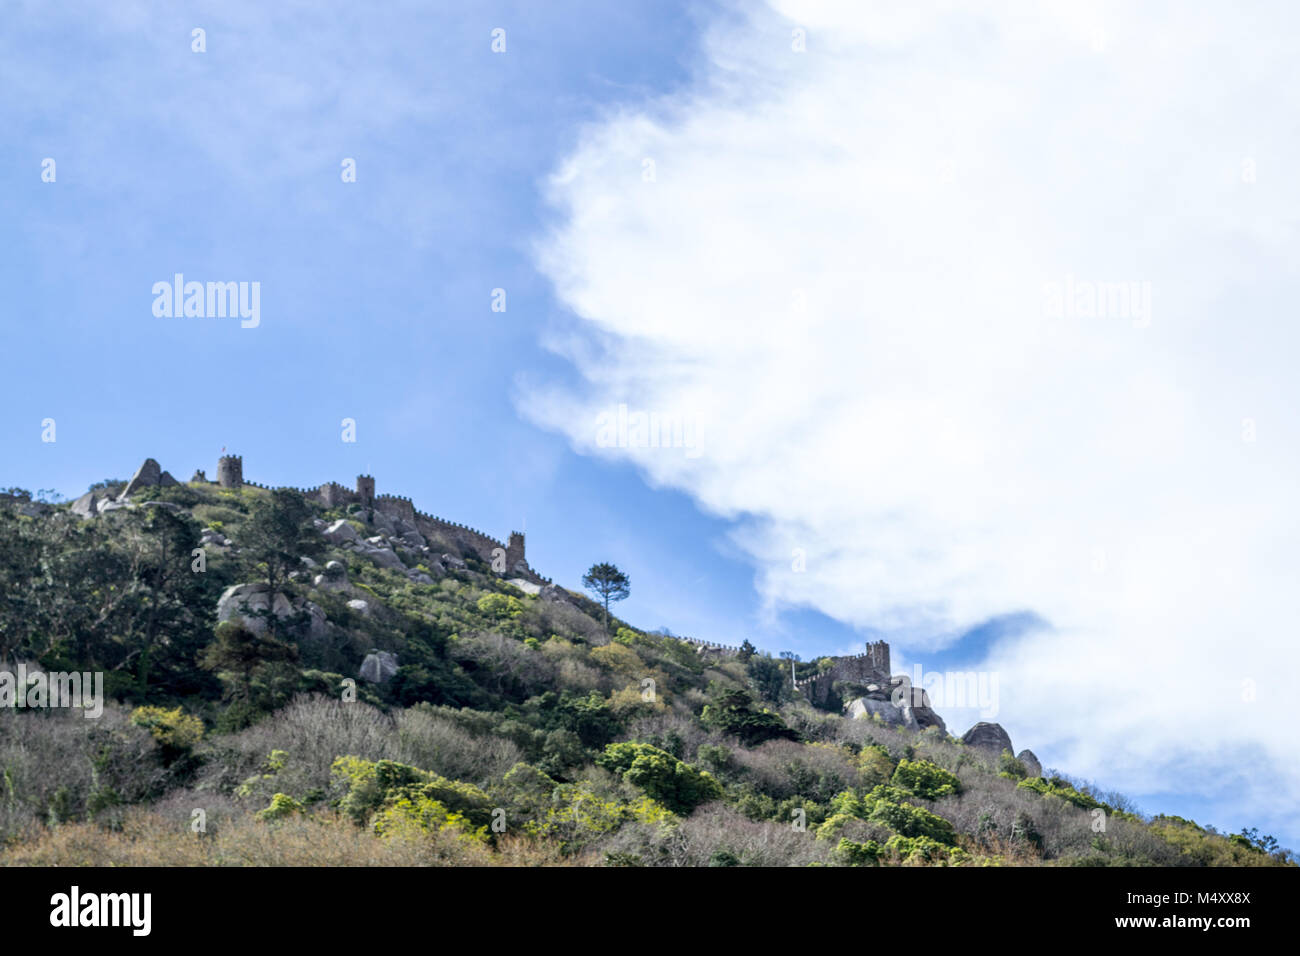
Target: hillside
x: 327, y: 677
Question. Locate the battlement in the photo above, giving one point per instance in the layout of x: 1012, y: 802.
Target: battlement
x: 230, y: 471
x: 871, y: 667
x: 230, y: 474
x: 366, y: 489
x: 706, y: 647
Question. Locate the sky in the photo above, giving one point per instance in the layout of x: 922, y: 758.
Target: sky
x: 965, y: 325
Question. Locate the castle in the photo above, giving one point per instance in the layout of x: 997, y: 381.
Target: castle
x: 871, y: 668
x: 504, y: 556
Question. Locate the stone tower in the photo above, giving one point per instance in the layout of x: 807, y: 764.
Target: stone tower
x: 366, y: 490
x: 230, y: 471
x: 515, y: 550
x: 878, y: 656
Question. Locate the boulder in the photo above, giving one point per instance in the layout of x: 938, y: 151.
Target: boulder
x: 523, y: 584
x: 319, y: 627
x: 165, y: 480
x: 451, y: 561
x: 413, y: 539
x: 360, y: 606
x: 147, y: 475
x: 915, y: 704
x: 340, y: 531
x: 864, y: 707
x: 85, y: 506
x: 990, y: 738
x: 554, y: 594
x: 242, y: 602
x: 1031, y: 763
x: 384, y: 558
x: 379, y: 666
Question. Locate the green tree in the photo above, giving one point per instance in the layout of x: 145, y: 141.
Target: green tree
x: 733, y: 712
x: 275, y: 538
x: 607, y: 583
x: 665, y: 779
x: 239, y: 652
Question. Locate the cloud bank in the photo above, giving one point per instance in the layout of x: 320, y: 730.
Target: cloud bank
x: 982, y: 308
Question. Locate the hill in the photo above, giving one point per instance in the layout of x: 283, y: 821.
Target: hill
x: 326, y: 676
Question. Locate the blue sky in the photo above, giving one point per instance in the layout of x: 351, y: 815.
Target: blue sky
x: 949, y: 464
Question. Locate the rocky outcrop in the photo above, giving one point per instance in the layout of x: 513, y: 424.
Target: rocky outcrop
x: 148, y: 475
x: 1031, y: 764
x: 248, y: 604
x: 866, y: 707
x: 901, y: 705
x: 86, y: 506
x: 990, y: 738
x: 340, y: 532
x: 379, y: 666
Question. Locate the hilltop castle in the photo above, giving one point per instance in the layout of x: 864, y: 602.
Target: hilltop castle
x: 870, y: 670
x: 504, y: 556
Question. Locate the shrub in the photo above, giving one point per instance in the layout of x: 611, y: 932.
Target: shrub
x: 171, y: 728
x: 925, y: 779
x: 665, y: 779
x: 282, y: 805
x: 858, y: 854
x: 1010, y: 767
x: 500, y: 607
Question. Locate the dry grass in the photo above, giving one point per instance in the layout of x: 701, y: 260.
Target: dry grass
x: 147, y: 838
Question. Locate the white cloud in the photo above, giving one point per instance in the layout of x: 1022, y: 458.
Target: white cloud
x: 840, y: 269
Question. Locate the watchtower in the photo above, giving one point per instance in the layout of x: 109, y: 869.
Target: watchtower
x: 230, y: 471
x: 515, y: 550
x: 366, y: 490
x: 878, y: 655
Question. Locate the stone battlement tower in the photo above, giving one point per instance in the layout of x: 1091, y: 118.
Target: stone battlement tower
x: 366, y: 490
x: 230, y: 471
x: 878, y: 655
x: 515, y: 550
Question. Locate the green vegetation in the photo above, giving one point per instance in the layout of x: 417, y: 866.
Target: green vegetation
x: 519, y: 729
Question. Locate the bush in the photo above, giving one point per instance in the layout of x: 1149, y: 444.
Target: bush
x: 925, y: 779
x: 171, y: 728
x: 665, y: 779
x: 282, y: 805
x: 1010, y: 767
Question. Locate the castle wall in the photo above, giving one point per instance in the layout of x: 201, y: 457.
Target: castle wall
x: 396, y: 506
x: 869, y: 668
x: 462, y: 538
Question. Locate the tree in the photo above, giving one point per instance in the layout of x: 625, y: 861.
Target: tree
x: 239, y: 652
x: 277, y: 535
x: 608, y: 583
